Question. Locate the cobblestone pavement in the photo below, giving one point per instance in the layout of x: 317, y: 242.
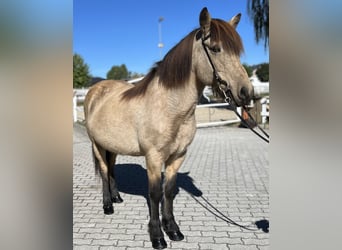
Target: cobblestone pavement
x: 223, y: 180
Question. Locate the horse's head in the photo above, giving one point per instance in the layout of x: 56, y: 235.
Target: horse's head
x: 224, y: 46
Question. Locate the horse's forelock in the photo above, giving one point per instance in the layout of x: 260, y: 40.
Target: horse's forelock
x: 221, y: 31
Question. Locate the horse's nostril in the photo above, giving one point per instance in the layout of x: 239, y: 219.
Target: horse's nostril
x: 244, y: 93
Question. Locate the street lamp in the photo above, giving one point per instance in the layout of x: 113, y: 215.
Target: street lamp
x: 160, y: 44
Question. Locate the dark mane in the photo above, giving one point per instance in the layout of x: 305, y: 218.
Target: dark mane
x: 140, y: 87
x: 174, y: 70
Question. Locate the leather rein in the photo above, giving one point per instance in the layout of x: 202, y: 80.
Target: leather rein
x: 226, y: 91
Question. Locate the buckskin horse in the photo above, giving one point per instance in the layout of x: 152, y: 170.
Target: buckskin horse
x: 155, y: 117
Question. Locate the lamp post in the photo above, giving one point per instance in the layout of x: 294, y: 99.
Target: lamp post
x: 160, y: 44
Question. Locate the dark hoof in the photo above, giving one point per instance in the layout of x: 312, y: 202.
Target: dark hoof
x: 108, y: 209
x: 175, y: 236
x: 159, y: 243
x: 117, y: 199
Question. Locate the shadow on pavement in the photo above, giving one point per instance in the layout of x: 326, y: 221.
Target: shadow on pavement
x: 132, y: 179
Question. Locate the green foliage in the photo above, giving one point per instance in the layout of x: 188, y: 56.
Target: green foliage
x: 118, y: 72
x: 248, y: 69
x: 258, y: 11
x: 263, y: 72
x: 81, y: 76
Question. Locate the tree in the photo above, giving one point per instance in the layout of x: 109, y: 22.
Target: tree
x: 81, y: 76
x: 248, y: 69
x: 263, y: 72
x: 118, y: 72
x: 258, y: 13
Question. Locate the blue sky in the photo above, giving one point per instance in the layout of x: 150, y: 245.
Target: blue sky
x: 113, y: 32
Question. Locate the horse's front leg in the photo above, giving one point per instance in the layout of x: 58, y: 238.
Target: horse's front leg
x: 168, y: 221
x: 154, y: 166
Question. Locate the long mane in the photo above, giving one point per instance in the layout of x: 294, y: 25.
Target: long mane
x: 174, y: 70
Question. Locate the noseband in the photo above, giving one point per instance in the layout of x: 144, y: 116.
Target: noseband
x: 226, y: 91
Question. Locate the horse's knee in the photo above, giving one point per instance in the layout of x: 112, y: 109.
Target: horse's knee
x: 154, y: 185
x: 169, y: 187
x: 155, y: 191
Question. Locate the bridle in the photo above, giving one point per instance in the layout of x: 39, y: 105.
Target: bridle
x: 226, y: 91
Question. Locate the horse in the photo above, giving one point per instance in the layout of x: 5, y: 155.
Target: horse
x: 155, y: 117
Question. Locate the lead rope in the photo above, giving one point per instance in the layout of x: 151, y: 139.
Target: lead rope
x: 217, y: 213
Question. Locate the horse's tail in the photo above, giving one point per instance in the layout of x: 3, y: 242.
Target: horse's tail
x: 96, y: 166
x: 96, y: 162
x: 109, y: 160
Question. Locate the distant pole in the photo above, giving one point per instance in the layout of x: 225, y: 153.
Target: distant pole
x: 160, y: 44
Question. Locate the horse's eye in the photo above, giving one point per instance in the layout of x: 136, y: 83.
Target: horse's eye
x: 215, y: 49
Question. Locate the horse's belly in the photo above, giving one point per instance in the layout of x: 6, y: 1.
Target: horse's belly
x: 115, y: 133
x: 119, y: 141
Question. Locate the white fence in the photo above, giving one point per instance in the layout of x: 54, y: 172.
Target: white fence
x: 78, y: 98
x: 265, y: 105
x: 78, y: 113
x: 210, y: 122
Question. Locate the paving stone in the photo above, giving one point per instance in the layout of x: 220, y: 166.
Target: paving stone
x: 243, y: 247
x: 263, y: 247
x: 86, y: 247
x: 258, y: 242
x: 227, y: 240
x: 206, y: 246
x: 104, y: 242
x: 112, y: 248
x: 82, y: 241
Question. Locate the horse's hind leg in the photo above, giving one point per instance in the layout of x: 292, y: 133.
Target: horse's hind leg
x: 115, y: 196
x: 100, y: 160
x: 168, y: 221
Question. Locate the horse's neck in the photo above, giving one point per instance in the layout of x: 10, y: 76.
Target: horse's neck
x: 182, y: 99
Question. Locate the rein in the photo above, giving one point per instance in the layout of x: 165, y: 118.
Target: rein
x: 229, y: 98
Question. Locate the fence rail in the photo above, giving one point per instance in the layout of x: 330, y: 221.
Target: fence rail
x: 208, y: 115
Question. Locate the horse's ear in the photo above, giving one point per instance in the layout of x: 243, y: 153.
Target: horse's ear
x: 235, y: 20
x: 204, y: 20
